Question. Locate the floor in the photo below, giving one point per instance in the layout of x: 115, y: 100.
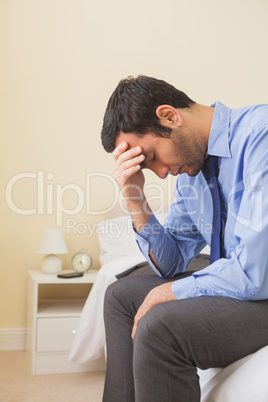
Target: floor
x: 18, y: 385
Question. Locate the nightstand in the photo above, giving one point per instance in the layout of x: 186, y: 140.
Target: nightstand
x: 52, y: 318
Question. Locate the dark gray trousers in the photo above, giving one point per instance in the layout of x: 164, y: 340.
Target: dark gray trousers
x: 172, y: 340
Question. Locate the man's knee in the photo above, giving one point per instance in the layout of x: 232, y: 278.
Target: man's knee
x: 130, y: 291
x: 159, y: 327
x: 152, y: 327
x: 113, y: 295
x: 110, y: 292
x: 123, y: 295
x: 119, y: 291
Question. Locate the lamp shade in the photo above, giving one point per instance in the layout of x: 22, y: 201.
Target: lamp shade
x: 51, y: 242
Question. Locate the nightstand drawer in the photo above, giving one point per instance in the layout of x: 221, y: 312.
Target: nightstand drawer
x: 55, y: 334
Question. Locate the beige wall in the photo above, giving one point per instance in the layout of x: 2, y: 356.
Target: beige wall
x: 60, y: 60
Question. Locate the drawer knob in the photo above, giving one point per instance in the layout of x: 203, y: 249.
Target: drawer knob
x: 74, y: 331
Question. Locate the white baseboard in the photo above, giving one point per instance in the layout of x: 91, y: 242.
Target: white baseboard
x: 12, y: 338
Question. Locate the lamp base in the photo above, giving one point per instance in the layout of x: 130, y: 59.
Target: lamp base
x: 51, y: 264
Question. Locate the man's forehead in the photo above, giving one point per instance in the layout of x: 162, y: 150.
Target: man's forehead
x: 133, y: 139
x: 122, y: 137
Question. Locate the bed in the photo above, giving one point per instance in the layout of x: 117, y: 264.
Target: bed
x: 244, y: 380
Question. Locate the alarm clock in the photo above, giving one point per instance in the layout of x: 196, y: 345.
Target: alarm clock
x: 81, y: 261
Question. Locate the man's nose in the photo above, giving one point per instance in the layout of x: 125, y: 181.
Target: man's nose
x: 160, y: 170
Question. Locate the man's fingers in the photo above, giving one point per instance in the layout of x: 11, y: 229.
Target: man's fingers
x: 122, y: 176
x: 144, y: 307
x: 119, y: 149
x: 136, y: 320
x: 121, y: 153
x: 127, y: 164
x: 159, y: 294
x: 134, y: 331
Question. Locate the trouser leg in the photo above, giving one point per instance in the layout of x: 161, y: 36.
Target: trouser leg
x: 122, y: 300
x: 172, y: 340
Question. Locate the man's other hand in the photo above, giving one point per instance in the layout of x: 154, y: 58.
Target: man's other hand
x: 160, y: 294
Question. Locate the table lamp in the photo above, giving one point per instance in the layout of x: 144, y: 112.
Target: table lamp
x: 51, y: 243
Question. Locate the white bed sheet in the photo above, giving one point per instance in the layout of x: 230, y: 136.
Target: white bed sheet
x: 89, y: 341
x: 244, y: 380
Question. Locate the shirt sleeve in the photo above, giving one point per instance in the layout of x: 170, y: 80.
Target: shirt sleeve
x: 244, y: 273
x: 172, y: 260
x: 174, y: 244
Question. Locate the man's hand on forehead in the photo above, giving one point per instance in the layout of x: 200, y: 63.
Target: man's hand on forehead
x: 119, y: 149
x: 127, y: 162
x: 126, y: 152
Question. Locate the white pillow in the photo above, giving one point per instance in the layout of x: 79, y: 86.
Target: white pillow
x: 117, y: 238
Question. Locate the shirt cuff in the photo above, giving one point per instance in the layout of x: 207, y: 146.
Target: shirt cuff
x: 185, y: 288
x: 149, y: 239
x: 152, y: 232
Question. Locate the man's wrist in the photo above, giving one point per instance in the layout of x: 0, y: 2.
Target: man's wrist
x: 140, y: 213
x: 140, y: 220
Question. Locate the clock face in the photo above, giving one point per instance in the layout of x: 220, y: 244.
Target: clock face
x: 81, y: 262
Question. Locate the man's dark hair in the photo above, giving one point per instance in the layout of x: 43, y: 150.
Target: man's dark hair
x: 132, y: 108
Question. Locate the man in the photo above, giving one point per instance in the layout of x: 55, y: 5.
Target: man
x: 160, y: 328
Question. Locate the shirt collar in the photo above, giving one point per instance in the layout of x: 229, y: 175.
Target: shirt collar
x: 218, y: 143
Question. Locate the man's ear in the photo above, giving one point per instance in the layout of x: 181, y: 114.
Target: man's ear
x: 169, y: 116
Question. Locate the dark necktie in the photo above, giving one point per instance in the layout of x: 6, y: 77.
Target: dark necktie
x: 210, y: 171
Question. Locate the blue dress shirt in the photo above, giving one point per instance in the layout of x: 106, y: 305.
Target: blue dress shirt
x: 240, y: 139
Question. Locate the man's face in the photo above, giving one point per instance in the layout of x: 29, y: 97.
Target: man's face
x: 178, y: 154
